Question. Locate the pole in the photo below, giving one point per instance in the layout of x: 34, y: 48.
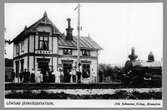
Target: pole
x: 78, y: 46
x: 78, y: 40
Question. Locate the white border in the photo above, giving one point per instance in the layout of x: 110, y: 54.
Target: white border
x: 83, y: 103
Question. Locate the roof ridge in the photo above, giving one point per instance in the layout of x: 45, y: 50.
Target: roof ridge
x: 33, y: 25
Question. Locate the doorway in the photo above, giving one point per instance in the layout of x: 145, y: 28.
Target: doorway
x: 66, y: 70
x: 43, y: 64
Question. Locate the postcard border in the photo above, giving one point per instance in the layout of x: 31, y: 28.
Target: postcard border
x: 2, y: 63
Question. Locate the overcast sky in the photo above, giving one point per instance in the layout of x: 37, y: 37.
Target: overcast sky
x: 116, y: 27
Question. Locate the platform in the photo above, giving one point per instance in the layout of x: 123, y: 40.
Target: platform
x: 36, y: 86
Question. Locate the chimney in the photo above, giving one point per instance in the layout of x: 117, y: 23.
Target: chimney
x: 69, y: 30
x: 132, y: 56
x: 150, y: 57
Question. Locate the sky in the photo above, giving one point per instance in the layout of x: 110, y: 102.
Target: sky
x: 116, y: 27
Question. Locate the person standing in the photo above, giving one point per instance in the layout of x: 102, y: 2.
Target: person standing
x: 61, y: 75
x: 78, y: 76
x: 28, y: 75
x: 13, y: 75
x: 50, y: 76
x: 57, y: 76
x: 32, y: 76
x: 94, y: 76
x: 24, y: 76
x: 38, y: 76
x: 41, y: 76
x: 47, y: 76
x: 21, y: 76
x: 73, y: 76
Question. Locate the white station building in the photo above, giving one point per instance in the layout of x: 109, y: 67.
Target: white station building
x: 42, y: 46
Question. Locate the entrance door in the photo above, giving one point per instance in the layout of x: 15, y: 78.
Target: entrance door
x: 43, y: 64
x: 43, y: 67
x: 66, y: 70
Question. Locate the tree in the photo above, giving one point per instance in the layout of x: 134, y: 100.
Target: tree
x: 115, y: 73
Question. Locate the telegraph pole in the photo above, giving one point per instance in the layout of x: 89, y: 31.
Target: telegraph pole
x: 78, y: 39
x: 78, y: 46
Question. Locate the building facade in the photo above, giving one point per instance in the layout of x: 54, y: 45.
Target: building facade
x: 42, y: 46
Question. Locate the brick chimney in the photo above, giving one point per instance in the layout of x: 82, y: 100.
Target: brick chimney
x: 69, y: 30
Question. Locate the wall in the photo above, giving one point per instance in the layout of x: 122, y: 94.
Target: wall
x: 31, y: 46
x: 55, y: 45
x: 93, y: 53
x: 55, y: 63
x: 23, y: 47
x: 44, y: 28
x: 25, y: 63
x: 31, y: 63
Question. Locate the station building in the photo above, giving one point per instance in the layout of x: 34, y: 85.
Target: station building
x: 42, y: 46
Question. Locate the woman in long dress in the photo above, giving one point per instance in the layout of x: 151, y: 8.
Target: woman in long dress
x: 57, y: 76
x: 38, y: 76
x: 93, y: 76
x: 61, y: 76
x: 73, y: 76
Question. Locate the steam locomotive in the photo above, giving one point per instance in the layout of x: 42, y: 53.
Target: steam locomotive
x: 143, y: 74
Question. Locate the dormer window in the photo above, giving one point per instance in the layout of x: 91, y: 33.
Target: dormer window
x: 67, y: 51
x: 43, y: 42
x: 85, y: 52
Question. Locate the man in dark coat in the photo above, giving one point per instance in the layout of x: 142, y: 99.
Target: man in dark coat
x: 21, y: 76
x: 24, y: 76
x: 78, y: 77
x: 13, y: 74
x: 50, y: 79
x: 32, y: 76
x: 28, y: 75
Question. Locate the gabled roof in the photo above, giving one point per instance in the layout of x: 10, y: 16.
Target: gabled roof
x: 44, y: 20
x: 85, y: 43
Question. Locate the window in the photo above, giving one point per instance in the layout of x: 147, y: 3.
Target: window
x: 44, y: 42
x: 67, y: 51
x: 86, y: 70
x: 21, y: 47
x: 85, y: 52
x: 17, y: 49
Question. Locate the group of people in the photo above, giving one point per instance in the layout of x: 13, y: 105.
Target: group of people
x: 24, y: 76
x: 47, y: 76
x: 69, y: 76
